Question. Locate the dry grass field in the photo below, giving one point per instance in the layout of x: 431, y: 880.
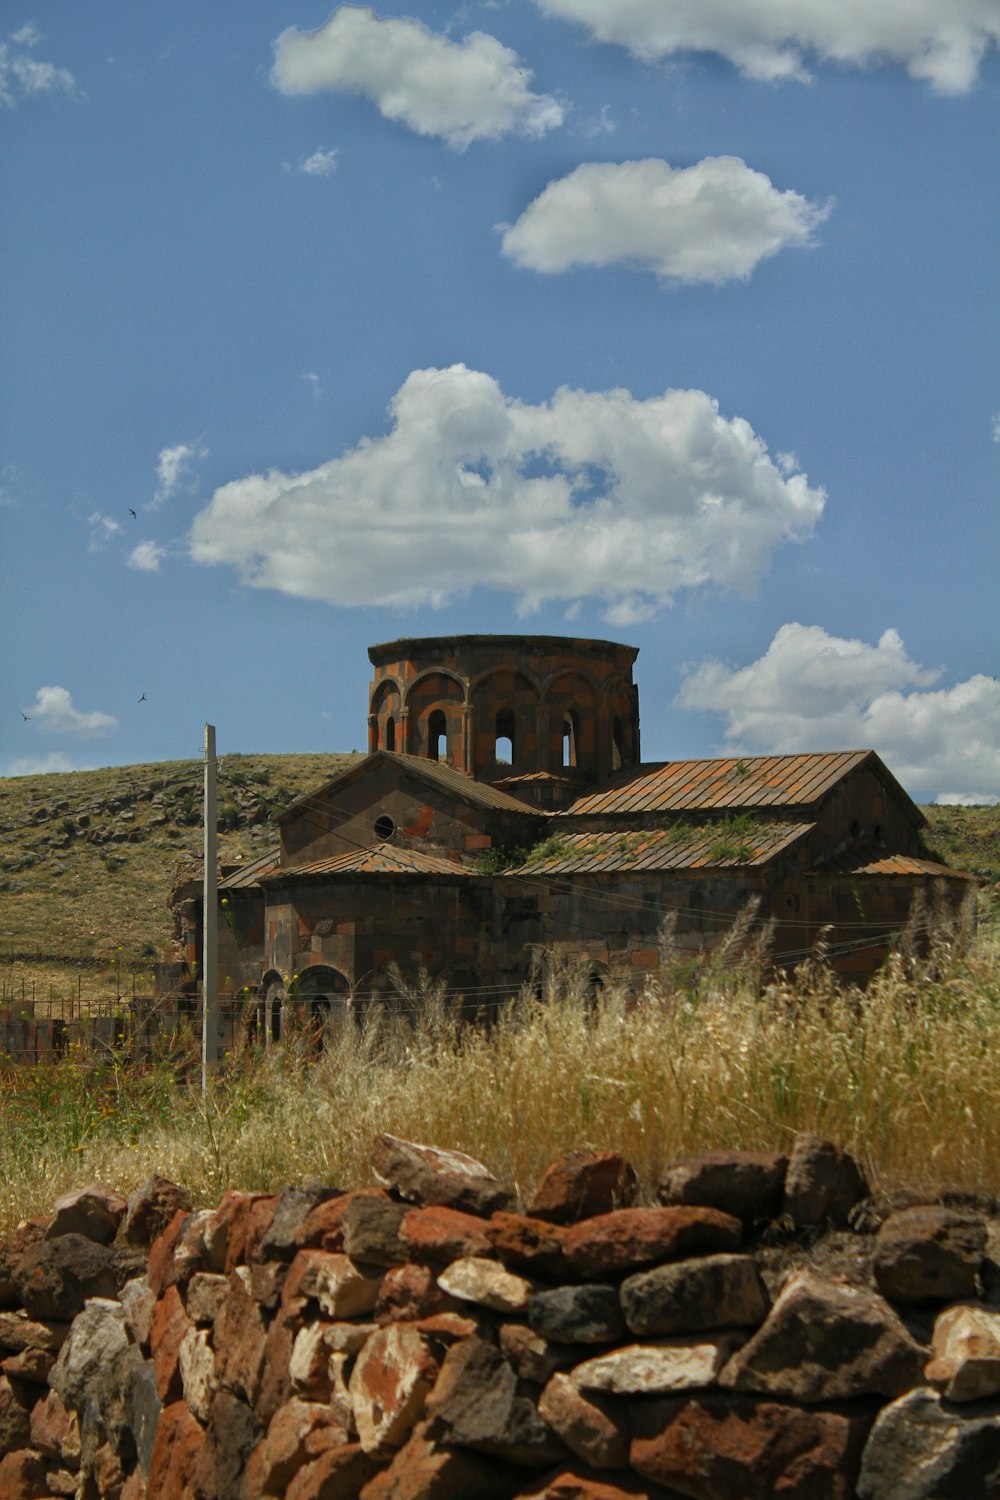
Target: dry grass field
x: 906, y: 1075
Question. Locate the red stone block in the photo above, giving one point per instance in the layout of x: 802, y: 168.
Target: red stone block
x: 612, y: 1244
x: 169, y: 1326
x: 177, y: 1449
x: 581, y: 1185
x: 443, y: 1234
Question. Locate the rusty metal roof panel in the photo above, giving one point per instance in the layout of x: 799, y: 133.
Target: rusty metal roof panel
x: 661, y: 849
x: 871, y: 861
x: 728, y: 783
x: 378, y: 859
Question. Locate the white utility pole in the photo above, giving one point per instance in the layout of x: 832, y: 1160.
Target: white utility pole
x: 210, y: 922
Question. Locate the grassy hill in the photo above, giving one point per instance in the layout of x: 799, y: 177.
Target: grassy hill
x: 87, y: 858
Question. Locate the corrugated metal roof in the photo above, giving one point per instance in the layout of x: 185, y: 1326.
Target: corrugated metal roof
x: 662, y: 849
x: 451, y: 780
x: 379, y: 859
x: 871, y: 861
x: 756, y: 781
x: 249, y: 875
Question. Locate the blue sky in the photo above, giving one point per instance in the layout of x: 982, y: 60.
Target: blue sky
x: 584, y: 317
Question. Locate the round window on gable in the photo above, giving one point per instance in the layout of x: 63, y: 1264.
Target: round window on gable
x: 384, y: 827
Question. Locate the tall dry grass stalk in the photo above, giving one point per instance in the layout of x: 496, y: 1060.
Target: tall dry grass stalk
x: 906, y: 1075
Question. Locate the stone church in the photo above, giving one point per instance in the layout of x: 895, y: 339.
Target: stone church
x: 503, y: 820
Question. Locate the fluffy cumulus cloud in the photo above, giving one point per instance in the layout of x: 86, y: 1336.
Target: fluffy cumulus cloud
x: 146, y: 557
x: 813, y: 691
x: 588, y: 495
x: 714, y: 221
x: 458, y: 91
x: 941, y: 43
x: 23, y: 76
x: 54, y: 712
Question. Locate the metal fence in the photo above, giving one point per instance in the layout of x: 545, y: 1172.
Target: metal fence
x: 135, y: 1028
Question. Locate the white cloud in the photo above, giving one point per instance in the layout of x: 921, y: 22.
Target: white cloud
x: 28, y: 35
x: 591, y: 494
x: 458, y: 91
x: 102, y: 529
x: 54, y: 712
x: 814, y: 691
x: 57, y: 761
x: 941, y: 43
x: 146, y: 557
x: 314, y: 383
x: 175, y: 467
x: 319, y: 164
x: 996, y: 428
x: 22, y: 76
x: 714, y: 221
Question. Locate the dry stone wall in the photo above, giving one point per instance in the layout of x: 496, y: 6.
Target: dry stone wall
x: 745, y: 1337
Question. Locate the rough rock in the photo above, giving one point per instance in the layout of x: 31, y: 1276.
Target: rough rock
x: 299, y: 1432
x: 475, y: 1404
x: 966, y: 1345
x: 688, y: 1296
x: 486, y: 1283
x: 55, y: 1277
x: 424, y: 1175
x: 410, y: 1292
x: 179, y: 1252
x: 291, y: 1211
x: 583, y: 1184
x: 389, y: 1384
x: 19, y: 1332
x: 443, y: 1234
x: 340, y: 1287
x: 532, y: 1245
x: 592, y: 1427
x: 55, y: 1430
x: 230, y: 1436
x: 577, y: 1482
x: 150, y: 1208
x: 535, y: 1358
x: 614, y: 1244
x: 142, y: 1410
x: 425, y: 1471
x: 822, y: 1182
x: 323, y: 1226
x: 922, y: 1449
x: 823, y: 1341
x: 718, y: 1447
x: 747, y: 1184
x: 95, y: 1211
x: 136, y: 1297
x: 22, y: 1475
x: 227, y: 1228
x: 238, y: 1338
x: 577, y: 1314
x: 169, y: 1327
x: 371, y: 1231
x: 15, y: 1421
x: 338, y: 1474
x: 177, y: 1450
x: 928, y: 1254
x: 206, y: 1292
x: 682, y: 1364
x: 196, y: 1365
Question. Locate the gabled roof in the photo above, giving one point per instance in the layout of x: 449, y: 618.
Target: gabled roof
x: 435, y: 772
x: 379, y: 859
x: 731, y: 783
x: 661, y: 849
x: 867, y: 860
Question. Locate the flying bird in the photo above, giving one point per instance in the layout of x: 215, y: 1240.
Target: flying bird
x: 132, y: 514
x: 25, y: 716
x: 142, y: 698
